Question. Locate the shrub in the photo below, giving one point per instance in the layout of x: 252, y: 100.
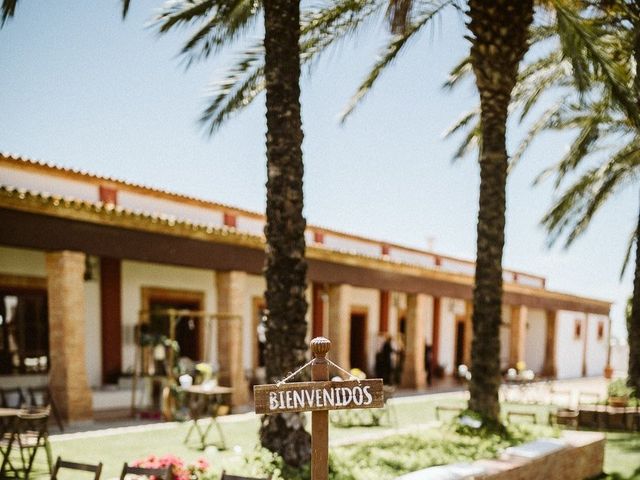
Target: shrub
x: 395, y: 455
x: 619, y: 388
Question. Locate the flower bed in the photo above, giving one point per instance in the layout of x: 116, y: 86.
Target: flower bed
x: 181, y: 470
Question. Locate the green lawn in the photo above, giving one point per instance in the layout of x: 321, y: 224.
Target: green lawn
x: 115, y: 447
x: 622, y: 456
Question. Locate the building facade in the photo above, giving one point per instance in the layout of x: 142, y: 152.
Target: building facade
x: 83, y: 259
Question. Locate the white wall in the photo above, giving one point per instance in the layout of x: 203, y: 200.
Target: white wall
x: 449, y: 309
x: 413, y: 258
x: 136, y: 275
x: 535, y: 340
x: 597, y: 349
x: 49, y: 184
x: 183, y: 211
x: 251, y: 225
x: 352, y: 245
x: 369, y: 299
x: 93, y: 330
x: 569, y: 349
x: 20, y: 261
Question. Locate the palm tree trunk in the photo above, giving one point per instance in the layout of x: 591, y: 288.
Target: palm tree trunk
x: 633, y: 323
x: 500, y: 32
x: 285, y: 268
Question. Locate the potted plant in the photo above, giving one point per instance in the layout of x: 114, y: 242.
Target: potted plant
x: 618, y: 393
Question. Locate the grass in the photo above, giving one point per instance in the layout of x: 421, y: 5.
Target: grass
x: 115, y: 447
x: 622, y: 456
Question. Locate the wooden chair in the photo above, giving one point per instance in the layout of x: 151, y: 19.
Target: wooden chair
x: 226, y: 476
x: 83, y: 467
x: 41, y: 397
x: 29, y: 434
x: 159, y: 473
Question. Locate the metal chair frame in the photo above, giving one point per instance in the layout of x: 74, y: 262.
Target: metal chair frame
x: 41, y: 397
x: 84, y: 467
x: 226, y: 476
x: 160, y: 473
x: 28, y: 435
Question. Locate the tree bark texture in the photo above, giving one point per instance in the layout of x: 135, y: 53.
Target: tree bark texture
x: 285, y: 268
x: 499, y: 41
x: 633, y: 323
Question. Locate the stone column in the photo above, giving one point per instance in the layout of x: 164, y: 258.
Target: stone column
x: 340, y: 324
x: 518, y: 336
x: 232, y: 293
x: 68, y: 371
x: 413, y: 373
x: 549, y: 368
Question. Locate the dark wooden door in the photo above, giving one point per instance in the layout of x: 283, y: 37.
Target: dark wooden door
x: 358, y: 343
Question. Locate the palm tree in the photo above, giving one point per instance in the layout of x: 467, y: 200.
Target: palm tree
x: 220, y: 23
x: 594, y: 98
x: 600, y: 120
x: 499, y: 40
x: 500, y: 33
x: 286, y: 268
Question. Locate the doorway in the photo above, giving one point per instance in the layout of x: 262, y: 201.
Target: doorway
x: 189, y: 329
x: 460, y: 342
x: 358, y: 341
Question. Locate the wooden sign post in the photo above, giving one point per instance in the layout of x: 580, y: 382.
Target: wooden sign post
x: 319, y: 396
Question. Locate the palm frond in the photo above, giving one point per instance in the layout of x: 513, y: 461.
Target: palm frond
x: 125, y: 7
x: 471, y: 141
x: 181, y: 12
x: 8, y: 10
x: 462, y: 122
x: 390, y: 53
x: 633, y: 240
x: 461, y: 71
x: 219, y: 24
x: 241, y: 85
x: 584, y: 47
x: 573, y: 211
x: 585, y: 142
x: 544, y: 122
x: 244, y: 81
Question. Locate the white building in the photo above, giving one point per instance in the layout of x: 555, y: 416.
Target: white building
x: 81, y: 256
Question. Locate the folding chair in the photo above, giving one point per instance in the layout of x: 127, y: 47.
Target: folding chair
x: 159, y: 473
x: 83, y: 467
x: 226, y: 476
x: 41, y: 397
x: 28, y: 435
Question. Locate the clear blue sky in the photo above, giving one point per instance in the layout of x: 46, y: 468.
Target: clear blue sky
x: 80, y: 88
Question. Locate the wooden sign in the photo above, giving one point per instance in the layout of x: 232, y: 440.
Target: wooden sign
x: 310, y: 396
x: 318, y: 396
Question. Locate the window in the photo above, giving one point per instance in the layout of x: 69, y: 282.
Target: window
x: 577, y: 329
x: 24, y: 331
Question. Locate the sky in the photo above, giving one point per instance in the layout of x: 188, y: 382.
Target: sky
x: 81, y: 88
